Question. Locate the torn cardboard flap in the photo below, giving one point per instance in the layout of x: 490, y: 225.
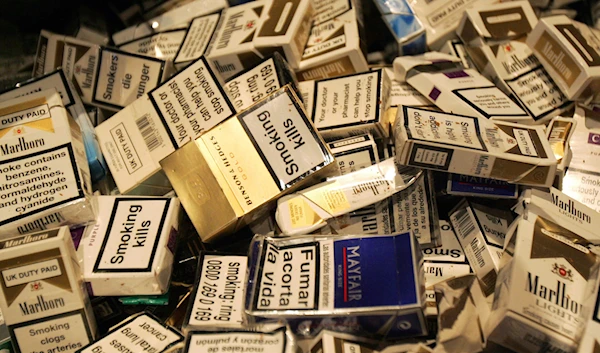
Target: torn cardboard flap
x: 307, y: 210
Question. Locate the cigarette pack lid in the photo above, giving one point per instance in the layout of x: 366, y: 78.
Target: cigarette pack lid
x: 500, y: 21
x: 403, y: 64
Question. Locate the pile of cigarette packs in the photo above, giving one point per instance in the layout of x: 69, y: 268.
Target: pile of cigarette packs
x: 323, y: 176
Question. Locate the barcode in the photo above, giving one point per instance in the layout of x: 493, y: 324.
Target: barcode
x: 492, y: 136
x: 148, y: 132
x: 464, y: 224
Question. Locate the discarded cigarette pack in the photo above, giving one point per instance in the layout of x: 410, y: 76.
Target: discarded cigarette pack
x: 196, y: 40
x: 231, y: 49
x: 489, y: 24
x: 248, y: 87
x: 264, y: 337
x: 565, y: 211
x: 442, y: 17
x: 161, y: 45
x: 124, y: 77
x: 560, y: 131
x: 481, y: 231
x: 413, y: 209
x: 178, y: 17
x: 474, y: 146
x: 352, y: 105
x: 442, y: 79
x: 71, y: 100
x: 141, y: 332
x: 138, y: 137
x: 45, y: 175
x: 284, y: 26
x: 354, y: 153
x: 333, y: 49
x: 464, y: 185
x: 130, y: 248
x: 443, y: 263
x: 276, y: 150
x: 541, y: 291
x: 316, y: 280
x: 402, y: 30
x: 570, y: 52
x: 42, y: 296
x: 585, y: 142
x: 78, y: 59
x: 309, y: 209
x: 326, y: 10
x: 217, y: 301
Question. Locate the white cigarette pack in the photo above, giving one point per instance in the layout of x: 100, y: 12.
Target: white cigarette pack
x: 442, y: 79
x: 540, y: 293
x: 44, y: 171
x: 570, y: 52
x: 130, y: 248
x: 474, y: 146
x: 42, y: 296
x: 196, y: 40
x: 333, y: 44
x: 481, y: 231
x: 354, y: 153
x: 161, y: 45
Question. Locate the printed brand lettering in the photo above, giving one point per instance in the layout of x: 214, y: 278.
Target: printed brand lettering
x: 454, y: 253
x: 42, y: 223
x: 89, y: 72
x: 25, y: 240
x: 292, y: 134
x: 22, y: 145
x: 368, y: 218
x: 110, y: 77
x: 519, y: 64
x: 130, y: 233
x: 41, y: 305
x: 479, y: 180
x: 224, y: 68
x: 13, y: 120
x: 594, y: 139
x: 230, y: 26
x: 569, y: 207
x: 556, y: 296
x: 352, y: 274
x: 557, y: 60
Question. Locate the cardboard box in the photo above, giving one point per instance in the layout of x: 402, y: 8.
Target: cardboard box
x: 45, y: 175
x: 71, y: 101
x: 252, y: 85
x: 481, y: 231
x: 490, y: 24
x: 473, y: 146
x: 354, y: 153
x: 124, y: 77
x: 464, y: 185
x: 42, y: 297
x: 78, y: 59
x: 161, y: 45
x: 352, y: 105
x: 130, y: 248
x: 333, y: 44
x: 538, y: 303
x: 570, y: 52
x: 178, y: 17
x: 284, y: 26
x: 443, y: 263
x: 442, y: 17
x: 267, y: 165
x: 442, y: 79
x: 138, y: 137
x: 149, y: 332
x: 226, y: 276
x: 388, y: 290
x: 231, y: 49
x: 196, y: 40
